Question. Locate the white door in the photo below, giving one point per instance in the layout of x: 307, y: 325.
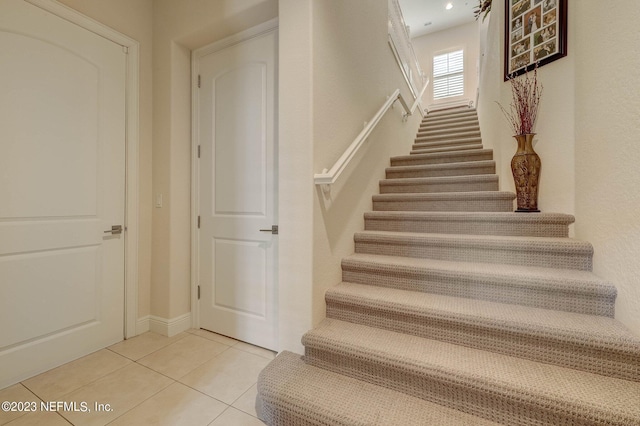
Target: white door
x: 62, y: 148
x: 237, y: 189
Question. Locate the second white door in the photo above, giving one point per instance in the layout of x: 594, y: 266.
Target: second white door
x: 236, y: 112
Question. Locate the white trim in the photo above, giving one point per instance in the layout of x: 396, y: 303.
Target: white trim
x: 142, y: 325
x: 164, y: 326
x: 396, y: 54
x: 132, y: 148
x: 248, y: 34
x: 245, y: 35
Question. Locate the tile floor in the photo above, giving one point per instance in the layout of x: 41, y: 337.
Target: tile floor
x: 194, y: 378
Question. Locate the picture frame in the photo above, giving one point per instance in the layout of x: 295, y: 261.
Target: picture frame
x: 535, y: 33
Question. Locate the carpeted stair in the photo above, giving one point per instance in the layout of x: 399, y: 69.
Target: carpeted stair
x: 454, y: 310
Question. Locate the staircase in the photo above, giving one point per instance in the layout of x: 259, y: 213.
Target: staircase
x: 456, y: 311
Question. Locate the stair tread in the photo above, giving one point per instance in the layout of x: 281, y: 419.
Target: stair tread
x: 440, y: 179
x: 449, y: 114
x: 556, y: 252
x: 481, y: 163
x: 449, y: 129
x: 469, y: 119
x: 471, y: 196
x: 471, y: 216
x: 497, y: 374
x: 448, y: 136
x: 578, y: 328
x: 514, y: 242
x: 464, y: 153
x: 448, y: 142
x: 445, y: 149
x: 515, y: 275
x: 445, y: 126
x: 330, y: 398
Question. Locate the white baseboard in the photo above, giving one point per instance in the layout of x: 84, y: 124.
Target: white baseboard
x: 142, y: 325
x: 164, y: 326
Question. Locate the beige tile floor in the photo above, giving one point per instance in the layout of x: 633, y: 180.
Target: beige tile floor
x: 194, y: 378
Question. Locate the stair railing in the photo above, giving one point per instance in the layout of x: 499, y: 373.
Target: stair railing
x: 329, y: 176
x: 399, y: 39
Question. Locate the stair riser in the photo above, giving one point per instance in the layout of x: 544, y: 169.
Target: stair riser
x: 445, y: 149
x: 451, y: 145
x: 472, y: 287
x: 439, y: 187
x: 453, y: 393
x: 449, y: 130
x: 545, y: 258
x: 445, y: 206
x: 447, y: 137
x: 437, y: 126
x: 504, y: 228
x: 470, y: 169
x: 442, y: 159
x: 435, y: 118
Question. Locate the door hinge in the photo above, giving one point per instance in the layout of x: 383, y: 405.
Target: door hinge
x: 125, y: 49
x: 198, y: 151
x: 199, y: 81
x: 198, y: 292
x: 198, y: 222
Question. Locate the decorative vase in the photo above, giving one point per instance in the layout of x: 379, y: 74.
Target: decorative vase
x: 525, y: 167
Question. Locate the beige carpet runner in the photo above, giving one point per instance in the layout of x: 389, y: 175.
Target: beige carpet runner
x: 456, y: 311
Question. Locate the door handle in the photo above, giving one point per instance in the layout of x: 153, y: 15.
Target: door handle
x: 115, y: 230
x: 273, y: 230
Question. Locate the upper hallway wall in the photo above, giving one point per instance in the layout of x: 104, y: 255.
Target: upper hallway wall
x: 461, y: 37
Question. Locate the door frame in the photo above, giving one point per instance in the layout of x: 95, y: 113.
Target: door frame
x: 131, y: 235
x: 196, y: 54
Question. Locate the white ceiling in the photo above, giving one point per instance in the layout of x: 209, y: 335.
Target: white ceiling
x: 418, y: 12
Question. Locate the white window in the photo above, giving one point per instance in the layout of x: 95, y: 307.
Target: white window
x: 448, y: 75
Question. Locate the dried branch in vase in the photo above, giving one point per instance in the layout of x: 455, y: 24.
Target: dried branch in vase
x: 483, y: 9
x: 526, y: 92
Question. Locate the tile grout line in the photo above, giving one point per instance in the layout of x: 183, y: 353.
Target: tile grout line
x: 236, y: 345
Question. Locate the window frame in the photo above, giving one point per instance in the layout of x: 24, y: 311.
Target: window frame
x: 448, y: 75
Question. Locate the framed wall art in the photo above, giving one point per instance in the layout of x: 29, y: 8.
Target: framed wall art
x: 535, y: 32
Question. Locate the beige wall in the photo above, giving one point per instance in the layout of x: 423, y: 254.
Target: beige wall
x: 555, y: 140
x: 607, y: 124
x: 178, y: 28
x: 354, y: 71
x: 134, y: 19
x: 587, y: 136
x: 461, y: 37
x: 295, y: 170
